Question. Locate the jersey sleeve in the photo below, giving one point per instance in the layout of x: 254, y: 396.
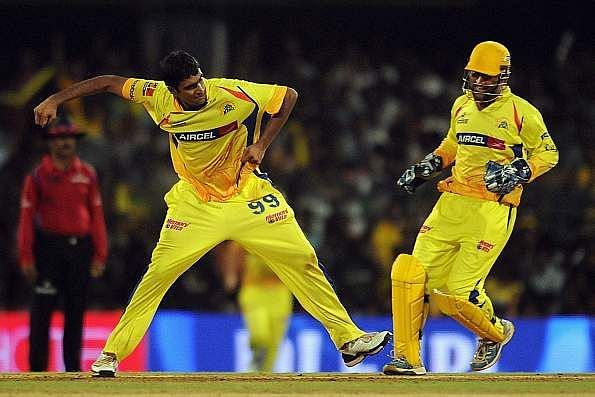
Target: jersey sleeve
x: 542, y: 154
x: 448, y: 147
x: 152, y: 94
x: 268, y: 96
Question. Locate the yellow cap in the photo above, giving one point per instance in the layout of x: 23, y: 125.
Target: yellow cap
x: 488, y: 58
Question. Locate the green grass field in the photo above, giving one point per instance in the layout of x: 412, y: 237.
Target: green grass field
x: 328, y: 384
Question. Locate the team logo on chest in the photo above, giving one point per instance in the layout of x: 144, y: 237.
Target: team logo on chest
x: 502, y: 123
x: 227, y: 107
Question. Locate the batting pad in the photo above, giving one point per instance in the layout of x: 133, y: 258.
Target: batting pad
x: 408, y: 279
x: 468, y: 314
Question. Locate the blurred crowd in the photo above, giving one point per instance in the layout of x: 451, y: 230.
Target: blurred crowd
x: 365, y: 113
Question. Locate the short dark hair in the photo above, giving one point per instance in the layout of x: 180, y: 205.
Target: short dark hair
x: 177, y: 66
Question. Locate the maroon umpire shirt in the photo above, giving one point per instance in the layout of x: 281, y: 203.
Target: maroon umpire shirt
x: 65, y: 203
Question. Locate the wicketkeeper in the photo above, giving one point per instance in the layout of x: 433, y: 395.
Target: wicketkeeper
x: 498, y: 142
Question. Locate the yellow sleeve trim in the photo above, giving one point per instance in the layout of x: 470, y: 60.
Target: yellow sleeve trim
x: 274, y: 104
x: 126, y: 88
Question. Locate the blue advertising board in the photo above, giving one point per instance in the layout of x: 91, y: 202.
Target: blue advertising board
x: 190, y: 341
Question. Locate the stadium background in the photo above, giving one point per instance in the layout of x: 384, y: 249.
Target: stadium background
x: 376, y: 81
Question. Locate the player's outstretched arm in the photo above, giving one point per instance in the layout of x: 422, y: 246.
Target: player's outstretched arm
x: 45, y: 112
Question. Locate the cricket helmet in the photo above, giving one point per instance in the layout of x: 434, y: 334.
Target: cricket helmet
x: 488, y: 58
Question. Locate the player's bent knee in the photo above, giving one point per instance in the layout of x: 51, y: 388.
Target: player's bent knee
x: 408, y: 269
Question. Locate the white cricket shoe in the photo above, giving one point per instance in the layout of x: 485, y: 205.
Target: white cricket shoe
x: 105, y: 365
x: 355, y: 351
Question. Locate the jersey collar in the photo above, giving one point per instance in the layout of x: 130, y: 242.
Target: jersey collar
x: 497, y: 104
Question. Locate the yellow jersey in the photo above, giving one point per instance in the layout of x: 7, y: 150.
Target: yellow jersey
x: 508, y: 128
x: 207, y: 145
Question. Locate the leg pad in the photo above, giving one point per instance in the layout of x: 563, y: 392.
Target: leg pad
x: 408, y: 279
x: 468, y: 315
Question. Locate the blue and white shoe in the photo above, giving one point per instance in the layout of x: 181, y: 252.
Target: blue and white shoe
x: 488, y: 352
x: 400, y: 366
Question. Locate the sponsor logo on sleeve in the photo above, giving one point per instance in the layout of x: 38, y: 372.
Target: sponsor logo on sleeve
x: 149, y: 88
x: 132, y: 87
x: 550, y: 148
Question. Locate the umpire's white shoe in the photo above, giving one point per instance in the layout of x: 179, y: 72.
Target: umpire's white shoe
x: 355, y: 351
x: 105, y: 365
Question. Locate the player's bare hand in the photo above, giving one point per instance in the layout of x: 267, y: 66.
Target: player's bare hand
x: 97, y: 269
x: 45, y: 112
x: 30, y: 272
x: 253, y: 154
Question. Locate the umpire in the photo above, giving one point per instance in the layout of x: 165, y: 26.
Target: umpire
x: 61, y: 242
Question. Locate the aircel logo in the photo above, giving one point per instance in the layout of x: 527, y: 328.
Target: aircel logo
x: 469, y: 138
x: 207, y: 135
x: 475, y: 139
x: 196, y: 136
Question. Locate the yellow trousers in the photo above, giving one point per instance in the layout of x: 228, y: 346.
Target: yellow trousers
x: 262, y: 222
x: 460, y: 241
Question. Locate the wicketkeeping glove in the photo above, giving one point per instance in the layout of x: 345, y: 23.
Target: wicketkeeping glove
x: 419, y: 173
x: 503, y: 179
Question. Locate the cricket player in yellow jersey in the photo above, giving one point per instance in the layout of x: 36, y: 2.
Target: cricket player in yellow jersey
x: 265, y: 302
x: 497, y: 143
x: 218, y: 135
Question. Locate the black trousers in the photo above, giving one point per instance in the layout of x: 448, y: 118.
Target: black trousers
x: 62, y: 264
